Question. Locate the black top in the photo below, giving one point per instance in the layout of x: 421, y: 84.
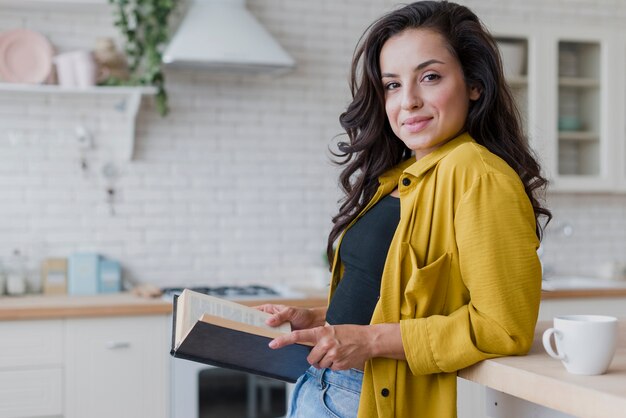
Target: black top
x: 363, y: 252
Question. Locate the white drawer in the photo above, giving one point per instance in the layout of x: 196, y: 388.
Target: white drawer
x: 31, y: 343
x: 31, y: 393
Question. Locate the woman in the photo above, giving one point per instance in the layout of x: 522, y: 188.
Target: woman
x: 436, y: 266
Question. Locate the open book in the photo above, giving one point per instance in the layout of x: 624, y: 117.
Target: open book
x: 223, y: 333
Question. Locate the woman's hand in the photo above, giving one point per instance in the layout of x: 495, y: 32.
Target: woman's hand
x: 300, y: 318
x: 337, y: 347
x: 342, y: 347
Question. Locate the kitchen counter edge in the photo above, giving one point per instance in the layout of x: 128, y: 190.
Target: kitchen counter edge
x: 115, y: 304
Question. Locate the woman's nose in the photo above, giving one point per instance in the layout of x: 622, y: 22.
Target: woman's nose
x: 411, y: 99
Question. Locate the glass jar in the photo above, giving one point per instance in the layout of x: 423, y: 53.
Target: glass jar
x: 16, y: 275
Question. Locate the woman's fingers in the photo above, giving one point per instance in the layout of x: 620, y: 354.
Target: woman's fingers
x: 304, y: 336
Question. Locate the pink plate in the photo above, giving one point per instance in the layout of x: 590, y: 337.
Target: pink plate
x: 25, y: 57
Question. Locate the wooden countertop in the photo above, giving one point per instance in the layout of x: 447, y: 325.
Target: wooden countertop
x: 47, y: 307
x: 117, y: 304
x: 542, y: 380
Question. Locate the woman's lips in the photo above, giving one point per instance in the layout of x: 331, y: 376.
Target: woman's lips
x: 416, y: 124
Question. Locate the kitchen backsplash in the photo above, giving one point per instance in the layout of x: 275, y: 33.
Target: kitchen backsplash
x: 235, y: 184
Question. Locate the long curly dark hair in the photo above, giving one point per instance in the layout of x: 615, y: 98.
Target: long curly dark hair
x: 493, y: 120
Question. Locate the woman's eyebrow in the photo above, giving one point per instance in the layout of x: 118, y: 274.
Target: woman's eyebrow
x: 419, y: 67
x: 427, y: 63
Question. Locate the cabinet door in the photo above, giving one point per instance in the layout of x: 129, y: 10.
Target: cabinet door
x: 621, y: 112
x: 31, y: 343
x: 31, y: 392
x: 570, y: 90
x: 522, y: 54
x: 31, y: 368
x: 514, y: 43
x: 117, y: 367
x: 582, y: 110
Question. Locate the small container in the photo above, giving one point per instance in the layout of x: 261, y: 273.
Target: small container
x: 54, y: 276
x: 16, y: 284
x: 82, y: 274
x: 110, y: 276
x: 16, y: 276
x: 76, y: 69
x: 3, y: 279
x: 612, y: 270
x: 569, y: 123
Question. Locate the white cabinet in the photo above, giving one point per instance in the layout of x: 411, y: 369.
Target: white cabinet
x: 571, y: 94
x: 31, y: 369
x: 116, y: 367
x: 85, y: 367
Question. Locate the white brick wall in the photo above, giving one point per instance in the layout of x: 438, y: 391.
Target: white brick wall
x: 235, y: 184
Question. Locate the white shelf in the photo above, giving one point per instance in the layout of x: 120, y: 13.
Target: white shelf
x: 56, y: 89
x: 582, y: 82
x: 578, y: 136
x: 128, y: 105
x: 518, y: 81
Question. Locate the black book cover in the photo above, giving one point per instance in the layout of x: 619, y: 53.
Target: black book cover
x: 233, y: 349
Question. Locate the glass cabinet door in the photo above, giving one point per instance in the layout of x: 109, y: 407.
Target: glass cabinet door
x: 568, y: 83
x: 579, y: 106
x: 514, y: 53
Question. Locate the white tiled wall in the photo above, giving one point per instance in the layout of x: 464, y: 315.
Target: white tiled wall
x: 235, y: 185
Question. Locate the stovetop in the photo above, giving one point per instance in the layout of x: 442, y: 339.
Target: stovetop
x: 237, y: 292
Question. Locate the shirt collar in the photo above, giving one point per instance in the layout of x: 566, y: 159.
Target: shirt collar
x: 425, y: 163
x: 389, y: 180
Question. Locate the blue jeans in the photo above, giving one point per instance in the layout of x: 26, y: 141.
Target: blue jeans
x: 326, y: 393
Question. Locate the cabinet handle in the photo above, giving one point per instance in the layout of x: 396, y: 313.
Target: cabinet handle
x: 115, y: 345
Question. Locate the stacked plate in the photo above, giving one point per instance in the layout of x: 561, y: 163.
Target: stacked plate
x: 25, y: 57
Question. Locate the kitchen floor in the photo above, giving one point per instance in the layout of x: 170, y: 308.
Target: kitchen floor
x: 225, y: 397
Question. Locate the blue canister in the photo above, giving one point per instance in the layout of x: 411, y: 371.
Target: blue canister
x: 82, y: 274
x: 110, y: 280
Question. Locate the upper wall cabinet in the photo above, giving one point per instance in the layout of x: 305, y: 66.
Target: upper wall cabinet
x: 569, y: 86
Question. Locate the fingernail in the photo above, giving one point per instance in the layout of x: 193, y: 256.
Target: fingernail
x: 272, y: 344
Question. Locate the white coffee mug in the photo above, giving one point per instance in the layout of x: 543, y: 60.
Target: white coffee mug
x: 585, y: 344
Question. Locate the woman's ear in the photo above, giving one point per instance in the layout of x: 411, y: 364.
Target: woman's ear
x: 474, y: 92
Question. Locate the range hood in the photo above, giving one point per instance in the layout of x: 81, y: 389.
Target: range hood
x: 223, y: 35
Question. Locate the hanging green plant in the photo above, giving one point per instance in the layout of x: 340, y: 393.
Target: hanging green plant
x: 144, y: 26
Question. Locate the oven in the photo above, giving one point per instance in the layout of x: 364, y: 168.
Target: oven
x: 202, y: 391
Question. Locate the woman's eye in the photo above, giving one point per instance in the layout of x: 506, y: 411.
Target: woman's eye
x: 431, y: 77
x: 392, y: 86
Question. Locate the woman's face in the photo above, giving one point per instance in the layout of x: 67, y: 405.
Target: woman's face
x: 426, y: 97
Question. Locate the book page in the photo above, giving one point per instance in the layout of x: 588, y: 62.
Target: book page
x: 193, y: 305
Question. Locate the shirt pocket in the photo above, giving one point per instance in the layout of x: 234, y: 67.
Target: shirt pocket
x: 426, y: 288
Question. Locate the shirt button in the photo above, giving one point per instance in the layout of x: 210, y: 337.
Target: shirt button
x: 406, y: 181
x: 385, y: 392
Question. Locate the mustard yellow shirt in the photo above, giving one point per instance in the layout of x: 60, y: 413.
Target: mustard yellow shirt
x: 462, y: 277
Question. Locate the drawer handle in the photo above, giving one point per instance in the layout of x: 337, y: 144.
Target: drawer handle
x: 116, y: 345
